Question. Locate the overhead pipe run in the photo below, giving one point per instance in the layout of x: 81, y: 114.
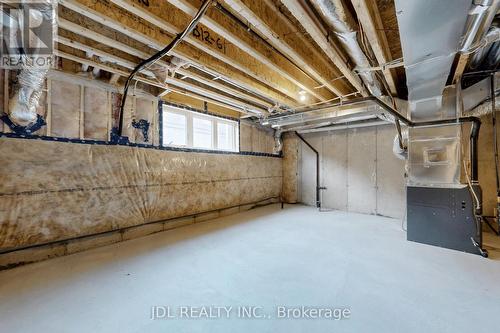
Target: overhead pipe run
x: 337, y: 17
x: 335, y: 122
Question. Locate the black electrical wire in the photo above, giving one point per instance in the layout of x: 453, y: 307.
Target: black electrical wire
x: 178, y: 38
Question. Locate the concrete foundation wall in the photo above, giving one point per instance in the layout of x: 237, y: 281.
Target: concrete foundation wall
x: 51, y: 191
x: 358, y: 169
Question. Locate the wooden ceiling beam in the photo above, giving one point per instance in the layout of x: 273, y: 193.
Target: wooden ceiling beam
x: 130, y: 65
x: 300, y: 13
x: 255, y: 13
x: 240, y: 37
x: 171, y: 84
x: 113, y: 17
x: 242, y: 45
x: 369, y: 17
x: 66, y: 25
x: 462, y: 61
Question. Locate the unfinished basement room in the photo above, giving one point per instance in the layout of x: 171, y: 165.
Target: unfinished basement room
x: 249, y: 166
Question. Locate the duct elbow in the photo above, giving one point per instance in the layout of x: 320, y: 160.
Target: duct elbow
x: 22, y: 106
x: 20, y: 111
x: 401, y: 152
x: 278, y: 142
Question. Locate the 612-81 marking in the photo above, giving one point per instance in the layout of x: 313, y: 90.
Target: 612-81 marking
x: 205, y: 36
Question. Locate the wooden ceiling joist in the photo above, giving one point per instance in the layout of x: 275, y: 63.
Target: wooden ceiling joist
x: 297, y: 10
x: 130, y: 65
x: 273, y: 61
x: 254, y: 13
x: 92, y: 50
x: 66, y: 25
x: 155, y: 38
x: 171, y: 84
x: 369, y: 17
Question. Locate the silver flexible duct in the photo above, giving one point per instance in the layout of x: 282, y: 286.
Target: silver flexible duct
x: 278, y: 142
x: 489, y: 42
x: 401, y: 153
x: 481, y: 15
x: 31, y: 77
x: 338, y: 18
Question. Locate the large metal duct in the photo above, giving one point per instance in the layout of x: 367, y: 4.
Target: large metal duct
x: 431, y: 33
x: 339, y: 19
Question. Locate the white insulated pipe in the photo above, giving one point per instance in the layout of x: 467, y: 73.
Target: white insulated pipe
x: 31, y: 77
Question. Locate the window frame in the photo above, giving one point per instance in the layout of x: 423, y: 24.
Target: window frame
x: 213, y: 143
x: 190, y: 114
x: 163, y: 129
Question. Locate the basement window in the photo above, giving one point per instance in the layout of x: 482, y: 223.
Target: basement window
x: 191, y: 129
x: 202, y: 132
x: 174, y: 129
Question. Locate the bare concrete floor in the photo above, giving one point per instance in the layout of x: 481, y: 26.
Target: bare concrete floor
x: 264, y: 258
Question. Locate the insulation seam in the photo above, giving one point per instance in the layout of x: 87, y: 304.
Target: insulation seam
x: 100, y: 188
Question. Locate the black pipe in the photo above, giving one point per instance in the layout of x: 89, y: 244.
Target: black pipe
x: 178, y: 38
x: 318, y: 202
x: 474, y: 134
x: 495, y: 148
x: 494, y: 123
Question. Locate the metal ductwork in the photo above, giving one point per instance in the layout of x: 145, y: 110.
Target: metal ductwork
x: 341, y: 127
x: 431, y: 33
x: 31, y: 76
x: 353, y: 110
x: 477, y: 98
x: 488, y: 55
x: 339, y: 19
x: 481, y: 15
x: 480, y: 37
x: 278, y: 142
